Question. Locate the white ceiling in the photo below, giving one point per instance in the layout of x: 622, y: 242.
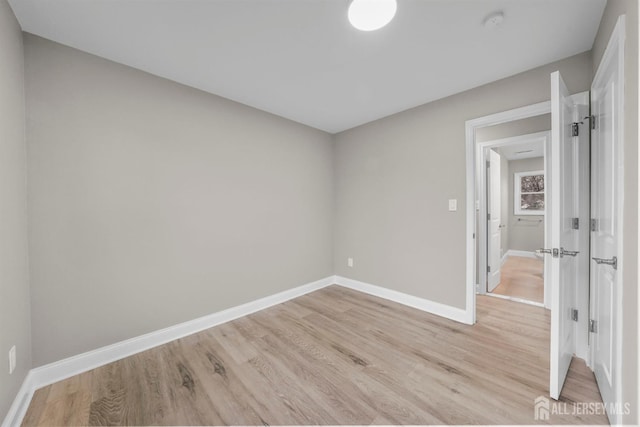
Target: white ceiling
x: 300, y: 59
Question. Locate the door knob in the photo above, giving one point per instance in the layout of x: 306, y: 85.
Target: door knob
x: 612, y: 261
x: 570, y: 253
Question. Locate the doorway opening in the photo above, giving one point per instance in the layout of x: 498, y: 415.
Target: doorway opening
x: 493, y: 127
x: 511, y: 198
x: 583, y: 232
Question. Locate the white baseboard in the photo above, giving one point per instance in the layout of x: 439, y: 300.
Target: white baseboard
x: 516, y: 299
x: 60, y: 370
x: 526, y: 254
x: 453, y: 313
x: 504, y: 258
x: 57, y: 371
x: 20, y: 404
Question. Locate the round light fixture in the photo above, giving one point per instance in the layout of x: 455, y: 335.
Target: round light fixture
x: 369, y: 15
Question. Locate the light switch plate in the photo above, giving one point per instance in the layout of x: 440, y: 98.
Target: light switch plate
x: 12, y: 359
x: 453, y: 205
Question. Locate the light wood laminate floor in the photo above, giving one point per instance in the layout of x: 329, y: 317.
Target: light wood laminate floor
x: 334, y: 356
x: 522, y: 277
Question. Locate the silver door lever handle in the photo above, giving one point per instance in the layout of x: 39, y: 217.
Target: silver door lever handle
x: 553, y: 252
x: 563, y: 252
x: 612, y: 261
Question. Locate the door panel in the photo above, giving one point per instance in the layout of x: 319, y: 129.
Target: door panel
x: 493, y: 224
x: 563, y: 207
x: 606, y: 187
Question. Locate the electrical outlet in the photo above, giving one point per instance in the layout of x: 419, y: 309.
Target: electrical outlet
x: 12, y: 359
x: 453, y: 205
x: 349, y: 262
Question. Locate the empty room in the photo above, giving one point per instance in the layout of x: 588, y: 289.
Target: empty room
x: 319, y: 212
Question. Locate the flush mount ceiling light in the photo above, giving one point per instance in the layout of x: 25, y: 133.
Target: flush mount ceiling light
x: 369, y: 15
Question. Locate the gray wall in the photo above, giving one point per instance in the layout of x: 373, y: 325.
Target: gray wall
x: 524, y: 235
x: 629, y: 269
x: 151, y: 203
x: 394, y: 176
x: 526, y: 126
x: 14, y: 281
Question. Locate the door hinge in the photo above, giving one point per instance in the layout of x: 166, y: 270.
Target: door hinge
x: 488, y: 164
x: 594, y: 224
x: 575, y: 129
x: 593, y: 326
x: 488, y: 269
x: 488, y: 216
x: 575, y: 223
x: 574, y: 314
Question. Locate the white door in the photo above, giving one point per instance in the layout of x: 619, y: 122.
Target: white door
x: 493, y: 223
x: 564, y: 239
x: 606, y: 162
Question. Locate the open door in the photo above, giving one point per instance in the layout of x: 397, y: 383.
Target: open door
x: 564, y: 192
x: 494, y: 240
x: 607, y: 106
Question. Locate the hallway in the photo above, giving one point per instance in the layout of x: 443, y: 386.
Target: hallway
x: 522, y: 278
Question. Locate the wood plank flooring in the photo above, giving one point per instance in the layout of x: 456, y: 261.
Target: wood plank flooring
x: 334, y: 356
x: 522, y: 277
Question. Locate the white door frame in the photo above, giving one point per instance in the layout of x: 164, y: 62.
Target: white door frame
x: 583, y: 174
x: 470, y: 136
x: 544, y: 138
x: 493, y: 196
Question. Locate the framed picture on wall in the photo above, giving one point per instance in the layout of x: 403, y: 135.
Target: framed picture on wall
x: 528, y: 193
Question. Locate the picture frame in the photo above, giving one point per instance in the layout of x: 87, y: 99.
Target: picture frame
x: 529, y: 193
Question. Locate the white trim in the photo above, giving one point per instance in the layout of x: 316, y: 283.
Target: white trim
x: 20, y: 404
x: 470, y: 136
x: 504, y: 259
x: 515, y: 299
x: 453, y: 313
x: 510, y: 115
x: 525, y: 254
x: 583, y: 175
x: 520, y: 139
